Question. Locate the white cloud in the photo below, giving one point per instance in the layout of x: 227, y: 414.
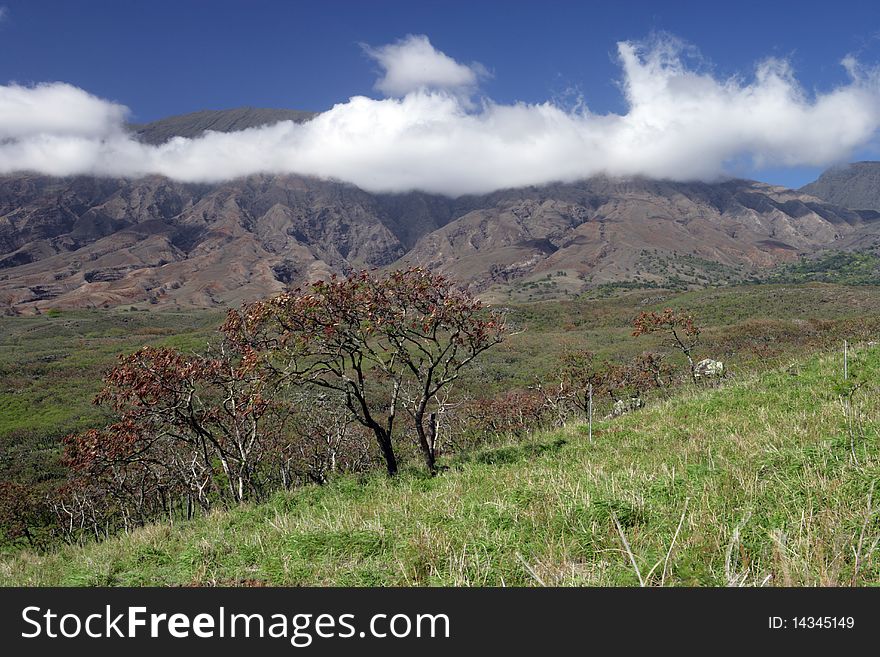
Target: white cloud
x: 413, y: 64
x: 56, y: 109
x: 681, y: 123
x: 4, y: 12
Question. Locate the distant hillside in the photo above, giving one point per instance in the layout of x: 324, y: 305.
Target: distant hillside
x: 80, y: 242
x: 855, y: 186
x: 842, y: 267
x: 232, y: 120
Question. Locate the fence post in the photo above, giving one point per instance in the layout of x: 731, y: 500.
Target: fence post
x: 590, y: 407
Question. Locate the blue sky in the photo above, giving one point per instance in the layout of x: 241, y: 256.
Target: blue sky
x: 161, y: 58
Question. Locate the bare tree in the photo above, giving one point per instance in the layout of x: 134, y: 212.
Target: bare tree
x: 679, y: 325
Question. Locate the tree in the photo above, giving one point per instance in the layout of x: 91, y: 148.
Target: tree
x: 129, y: 467
x: 20, y: 512
x: 582, y: 377
x: 385, y: 343
x: 679, y: 325
x: 323, y: 440
x: 180, y: 415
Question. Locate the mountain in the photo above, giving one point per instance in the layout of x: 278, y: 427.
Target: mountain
x: 79, y: 242
x: 84, y: 241
x: 855, y: 185
x: 196, y: 123
x: 87, y: 241
x: 605, y: 230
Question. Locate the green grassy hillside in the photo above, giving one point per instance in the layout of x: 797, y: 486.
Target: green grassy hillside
x: 51, y: 365
x: 751, y: 483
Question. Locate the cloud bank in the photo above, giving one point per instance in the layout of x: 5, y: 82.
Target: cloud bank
x: 434, y: 133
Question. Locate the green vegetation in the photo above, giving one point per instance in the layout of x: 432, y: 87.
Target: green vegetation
x: 680, y: 272
x: 653, y: 269
x: 48, y: 360
x: 759, y: 474
x: 845, y: 268
x: 51, y: 367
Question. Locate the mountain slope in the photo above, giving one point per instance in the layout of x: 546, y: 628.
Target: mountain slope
x: 855, y: 185
x: 612, y: 230
x: 196, y: 123
x: 89, y: 242
x: 79, y: 242
x: 745, y: 469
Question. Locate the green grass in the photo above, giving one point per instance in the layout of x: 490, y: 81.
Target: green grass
x: 758, y: 473
x: 848, y: 268
x: 51, y: 365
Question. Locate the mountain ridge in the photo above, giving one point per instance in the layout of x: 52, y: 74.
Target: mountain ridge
x: 93, y: 242
x: 854, y: 185
x: 195, y: 124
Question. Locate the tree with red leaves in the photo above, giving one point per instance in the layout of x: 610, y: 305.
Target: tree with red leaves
x: 679, y: 325
x: 20, y: 512
x: 180, y: 415
x: 581, y: 377
x: 385, y: 343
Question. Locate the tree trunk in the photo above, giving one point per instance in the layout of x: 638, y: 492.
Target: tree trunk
x: 387, y: 449
x: 693, y: 368
x: 427, y: 441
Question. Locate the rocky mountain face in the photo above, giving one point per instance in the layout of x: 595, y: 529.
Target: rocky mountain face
x: 605, y: 230
x: 855, y: 185
x: 86, y: 241
x: 94, y: 242
x: 82, y: 242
